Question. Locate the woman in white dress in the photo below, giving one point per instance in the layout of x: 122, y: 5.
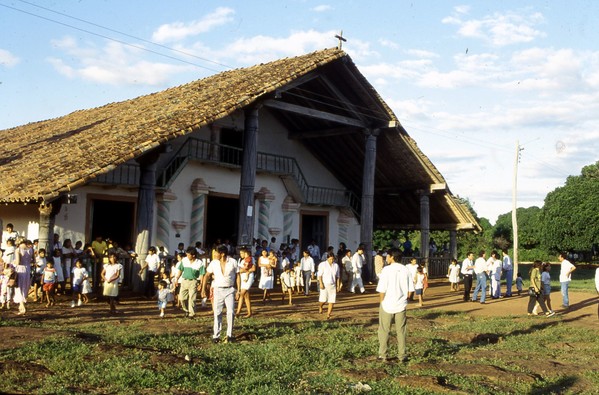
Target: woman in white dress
x: 454, y: 275
x: 266, y: 275
x: 110, y: 277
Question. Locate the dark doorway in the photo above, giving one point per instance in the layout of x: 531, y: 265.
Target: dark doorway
x: 113, y: 219
x: 222, y: 217
x: 314, y: 227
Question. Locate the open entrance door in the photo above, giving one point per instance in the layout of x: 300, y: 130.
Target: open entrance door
x: 222, y: 217
x: 314, y: 227
x: 113, y: 219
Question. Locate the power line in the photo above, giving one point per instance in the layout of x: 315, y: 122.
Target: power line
x: 128, y: 35
x: 116, y: 40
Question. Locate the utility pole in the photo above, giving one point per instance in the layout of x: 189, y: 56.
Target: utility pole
x: 514, y: 207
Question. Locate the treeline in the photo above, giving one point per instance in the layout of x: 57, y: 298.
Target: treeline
x: 568, y: 221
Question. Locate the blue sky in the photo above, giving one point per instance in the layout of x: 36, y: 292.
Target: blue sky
x: 466, y: 79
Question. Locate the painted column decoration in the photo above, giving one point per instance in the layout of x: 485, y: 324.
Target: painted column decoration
x: 265, y: 197
x: 199, y: 191
x: 343, y: 223
x: 163, y: 216
x: 425, y: 224
x: 289, y: 208
x: 367, y: 215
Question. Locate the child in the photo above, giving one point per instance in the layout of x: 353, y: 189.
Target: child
x: 162, y: 294
x: 7, y: 291
x: 286, y: 285
x: 9, y: 252
x: 57, y: 258
x: 519, y: 283
x: 40, y: 265
x: 546, y: 281
x: 86, y: 289
x: 299, y: 280
x: 50, y: 279
x: 419, y: 284
x: 79, y: 275
x: 454, y: 276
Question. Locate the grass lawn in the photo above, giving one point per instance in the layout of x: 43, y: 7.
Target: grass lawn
x: 450, y: 352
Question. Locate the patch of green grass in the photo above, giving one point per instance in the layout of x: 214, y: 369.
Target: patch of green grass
x: 303, y: 357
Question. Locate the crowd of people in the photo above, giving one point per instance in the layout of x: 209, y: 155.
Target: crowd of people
x: 223, y: 277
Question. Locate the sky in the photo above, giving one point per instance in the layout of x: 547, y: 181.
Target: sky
x: 470, y: 81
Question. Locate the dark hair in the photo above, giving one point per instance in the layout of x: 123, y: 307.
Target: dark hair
x: 481, y: 253
x: 163, y: 283
x: 192, y: 251
x: 395, y: 254
x: 222, y: 249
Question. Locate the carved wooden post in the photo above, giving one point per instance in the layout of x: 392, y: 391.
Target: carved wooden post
x: 48, y: 213
x: 453, y: 244
x: 146, y: 198
x: 248, y: 178
x: 343, y: 223
x: 367, y: 215
x: 425, y: 224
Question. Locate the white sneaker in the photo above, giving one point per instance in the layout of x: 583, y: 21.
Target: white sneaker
x: 161, y: 315
x: 79, y: 302
x: 204, y: 302
x: 73, y: 303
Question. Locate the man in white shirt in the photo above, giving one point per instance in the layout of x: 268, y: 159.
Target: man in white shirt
x: 393, y: 293
x: 480, y: 269
x: 307, y: 267
x: 314, y: 251
x: 357, y: 261
x: 467, y: 272
x: 508, y: 269
x: 329, y: 282
x: 150, y: 267
x: 565, y: 275
x: 495, y: 268
x: 225, y: 272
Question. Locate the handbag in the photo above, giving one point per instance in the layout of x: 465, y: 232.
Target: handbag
x: 532, y: 292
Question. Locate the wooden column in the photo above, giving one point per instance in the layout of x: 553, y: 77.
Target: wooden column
x: 146, y: 199
x: 367, y: 215
x: 248, y: 178
x: 48, y: 212
x: 425, y: 224
x: 453, y: 244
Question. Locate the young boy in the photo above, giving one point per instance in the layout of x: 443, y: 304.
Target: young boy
x: 50, y: 278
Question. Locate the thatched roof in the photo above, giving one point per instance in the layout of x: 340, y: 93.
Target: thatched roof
x: 57, y: 155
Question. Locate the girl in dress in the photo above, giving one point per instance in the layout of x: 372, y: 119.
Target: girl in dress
x: 57, y: 259
x: 6, y: 291
x: 266, y: 279
x: 247, y: 270
x: 454, y: 275
x: 79, y: 275
x: 110, y: 277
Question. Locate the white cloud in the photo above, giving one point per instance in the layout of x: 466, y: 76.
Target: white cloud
x: 498, y: 29
x: 181, y: 30
x: 322, y: 8
x: 8, y: 59
x: 113, y: 64
x: 388, y: 43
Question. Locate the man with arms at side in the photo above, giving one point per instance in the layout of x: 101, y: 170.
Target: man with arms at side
x: 329, y: 282
x: 565, y: 275
x: 393, y: 292
x: 225, y: 271
x: 467, y: 272
x: 508, y: 269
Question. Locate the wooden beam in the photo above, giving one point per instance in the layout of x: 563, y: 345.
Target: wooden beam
x: 310, y: 134
x: 310, y: 112
x: 298, y: 81
x: 342, y: 98
x: 440, y: 187
x: 459, y: 226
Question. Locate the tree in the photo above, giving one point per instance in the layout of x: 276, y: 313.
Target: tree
x: 570, y: 216
x: 529, y: 229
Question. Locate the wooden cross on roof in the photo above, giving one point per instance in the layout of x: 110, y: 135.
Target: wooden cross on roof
x: 341, y: 39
